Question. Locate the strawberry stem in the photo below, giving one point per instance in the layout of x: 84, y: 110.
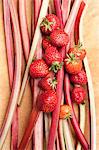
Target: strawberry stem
x: 56, y: 66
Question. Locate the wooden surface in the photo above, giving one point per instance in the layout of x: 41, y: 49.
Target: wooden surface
x: 91, y: 38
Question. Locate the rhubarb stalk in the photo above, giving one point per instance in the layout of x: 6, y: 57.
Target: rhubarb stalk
x: 37, y: 34
x: 10, y: 57
x: 76, y: 37
x: 17, y: 76
x: 74, y: 121
x: 82, y: 122
x: 90, y: 92
x: 38, y: 131
x: 37, y: 6
x: 29, y: 130
x: 68, y: 135
x: 24, y: 28
x: 65, y: 10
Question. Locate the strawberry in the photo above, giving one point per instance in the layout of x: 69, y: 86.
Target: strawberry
x: 72, y: 64
x: 78, y: 94
x: 49, y: 24
x: 65, y: 112
x: 47, y: 101
x: 79, y: 78
x: 38, y: 69
x: 59, y: 38
x: 78, y: 51
x: 53, y: 58
x: 47, y: 83
x: 46, y: 42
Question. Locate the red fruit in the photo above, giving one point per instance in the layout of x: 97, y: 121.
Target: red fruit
x: 79, y: 78
x: 78, y: 94
x: 47, y: 101
x: 72, y: 64
x: 47, y: 83
x: 78, y: 51
x: 49, y: 24
x: 53, y: 57
x: 46, y: 42
x: 38, y: 69
x: 59, y: 38
x: 65, y: 112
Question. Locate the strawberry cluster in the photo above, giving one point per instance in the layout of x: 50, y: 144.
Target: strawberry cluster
x: 74, y: 65
x: 47, y: 67
x: 54, y: 39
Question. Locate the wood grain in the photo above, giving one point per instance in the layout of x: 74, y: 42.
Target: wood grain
x: 91, y: 38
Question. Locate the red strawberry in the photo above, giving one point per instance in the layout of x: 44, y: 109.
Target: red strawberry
x: 53, y: 57
x: 78, y: 51
x: 47, y: 101
x: 59, y: 38
x: 72, y: 64
x: 65, y: 112
x: 47, y: 83
x: 49, y: 24
x: 38, y: 69
x: 46, y: 42
x: 79, y: 78
x: 78, y: 94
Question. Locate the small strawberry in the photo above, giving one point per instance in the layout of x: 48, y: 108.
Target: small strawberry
x: 48, y: 83
x: 59, y: 38
x: 53, y: 58
x: 38, y: 69
x: 72, y: 64
x: 47, y: 101
x: 49, y: 24
x: 65, y: 112
x: 46, y: 42
x: 79, y: 78
x: 78, y: 51
x: 78, y: 94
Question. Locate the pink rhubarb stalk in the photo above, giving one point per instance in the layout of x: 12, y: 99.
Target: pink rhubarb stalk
x: 10, y: 57
x: 92, y: 114
x: 76, y: 37
x: 17, y: 75
x: 37, y: 6
x: 24, y: 28
x: 74, y: 121
x: 30, y: 128
x: 77, y: 22
x: 65, y: 10
x: 37, y: 35
x: 38, y: 131
x: 57, y: 142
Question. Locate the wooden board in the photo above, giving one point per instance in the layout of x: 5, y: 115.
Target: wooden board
x: 91, y: 38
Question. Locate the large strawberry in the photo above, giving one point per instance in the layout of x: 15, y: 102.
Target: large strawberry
x: 79, y: 52
x: 53, y: 58
x: 59, y: 38
x: 48, y: 83
x: 78, y: 94
x: 79, y: 78
x: 72, y: 64
x: 49, y: 24
x: 47, y: 101
x: 38, y: 69
x: 46, y: 42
